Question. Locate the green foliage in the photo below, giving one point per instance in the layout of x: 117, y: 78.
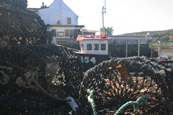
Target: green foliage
x: 108, y: 31
x: 162, y: 36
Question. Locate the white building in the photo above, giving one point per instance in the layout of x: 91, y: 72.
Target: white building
x: 62, y: 21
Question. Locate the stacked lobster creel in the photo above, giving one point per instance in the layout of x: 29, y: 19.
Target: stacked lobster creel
x: 16, y: 3
x: 20, y: 26
x: 33, y: 79
x: 121, y: 80
x: 38, y: 79
x: 169, y: 79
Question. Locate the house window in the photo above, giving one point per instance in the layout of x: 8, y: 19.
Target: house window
x: 67, y: 33
x: 76, y: 33
x: 60, y: 34
x: 89, y: 46
x: 96, y: 46
x: 71, y: 33
x: 103, y: 46
x: 82, y: 47
x: 68, y: 20
x: 54, y: 32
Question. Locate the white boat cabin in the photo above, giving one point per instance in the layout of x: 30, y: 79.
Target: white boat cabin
x: 92, y: 44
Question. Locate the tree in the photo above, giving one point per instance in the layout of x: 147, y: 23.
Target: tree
x: 50, y: 37
x: 108, y: 31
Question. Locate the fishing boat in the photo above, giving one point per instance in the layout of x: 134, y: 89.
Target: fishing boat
x: 93, y: 48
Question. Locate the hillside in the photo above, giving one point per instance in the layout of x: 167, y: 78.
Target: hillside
x: 162, y: 36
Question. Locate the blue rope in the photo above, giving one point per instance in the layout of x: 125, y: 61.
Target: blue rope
x: 141, y: 101
x: 91, y: 100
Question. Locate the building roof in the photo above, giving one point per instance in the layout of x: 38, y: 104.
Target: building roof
x: 58, y: 11
x: 80, y: 26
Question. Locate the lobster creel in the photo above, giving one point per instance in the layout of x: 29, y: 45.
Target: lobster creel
x: 38, y: 79
x: 120, y: 80
x: 20, y: 26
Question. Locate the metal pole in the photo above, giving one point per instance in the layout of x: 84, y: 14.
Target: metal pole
x: 103, y: 11
x: 151, y: 48
x: 103, y: 20
x: 126, y: 48
x: 159, y: 50
x: 138, y: 48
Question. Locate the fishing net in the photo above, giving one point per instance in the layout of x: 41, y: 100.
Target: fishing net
x: 20, y: 26
x: 120, y: 80
x: 15, y: 3
x: 33, y: 78
x: 37, y: 79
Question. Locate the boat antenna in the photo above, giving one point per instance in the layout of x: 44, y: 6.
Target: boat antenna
x: 103, y: 12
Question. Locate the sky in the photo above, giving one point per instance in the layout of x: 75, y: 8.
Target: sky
x: 124, y: 16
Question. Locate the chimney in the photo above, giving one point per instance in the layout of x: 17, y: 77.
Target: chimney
x: 42, y: 4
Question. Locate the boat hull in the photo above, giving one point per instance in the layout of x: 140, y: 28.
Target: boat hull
x: 90, y: 60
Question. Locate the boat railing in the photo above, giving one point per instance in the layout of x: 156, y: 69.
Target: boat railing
x: 93, y: 36
x: 86, y: 36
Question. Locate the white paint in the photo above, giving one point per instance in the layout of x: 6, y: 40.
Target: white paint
x: 56, y: 16
x: 62, y: 29
x: 91, y: 41
x: 58, y: 11
x: 72, y: 103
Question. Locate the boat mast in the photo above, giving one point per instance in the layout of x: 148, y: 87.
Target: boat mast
x: 103, y: 12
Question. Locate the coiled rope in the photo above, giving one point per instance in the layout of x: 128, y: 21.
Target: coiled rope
x: 141, y: 101
x: 91, y: 100
x: 113, y: 86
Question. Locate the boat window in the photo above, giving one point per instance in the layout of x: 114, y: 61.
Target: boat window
x: 103, y: 46
x: 96, y: 46
x: 82, y: 47
x: 60, y: 34
x: 89, y: 46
